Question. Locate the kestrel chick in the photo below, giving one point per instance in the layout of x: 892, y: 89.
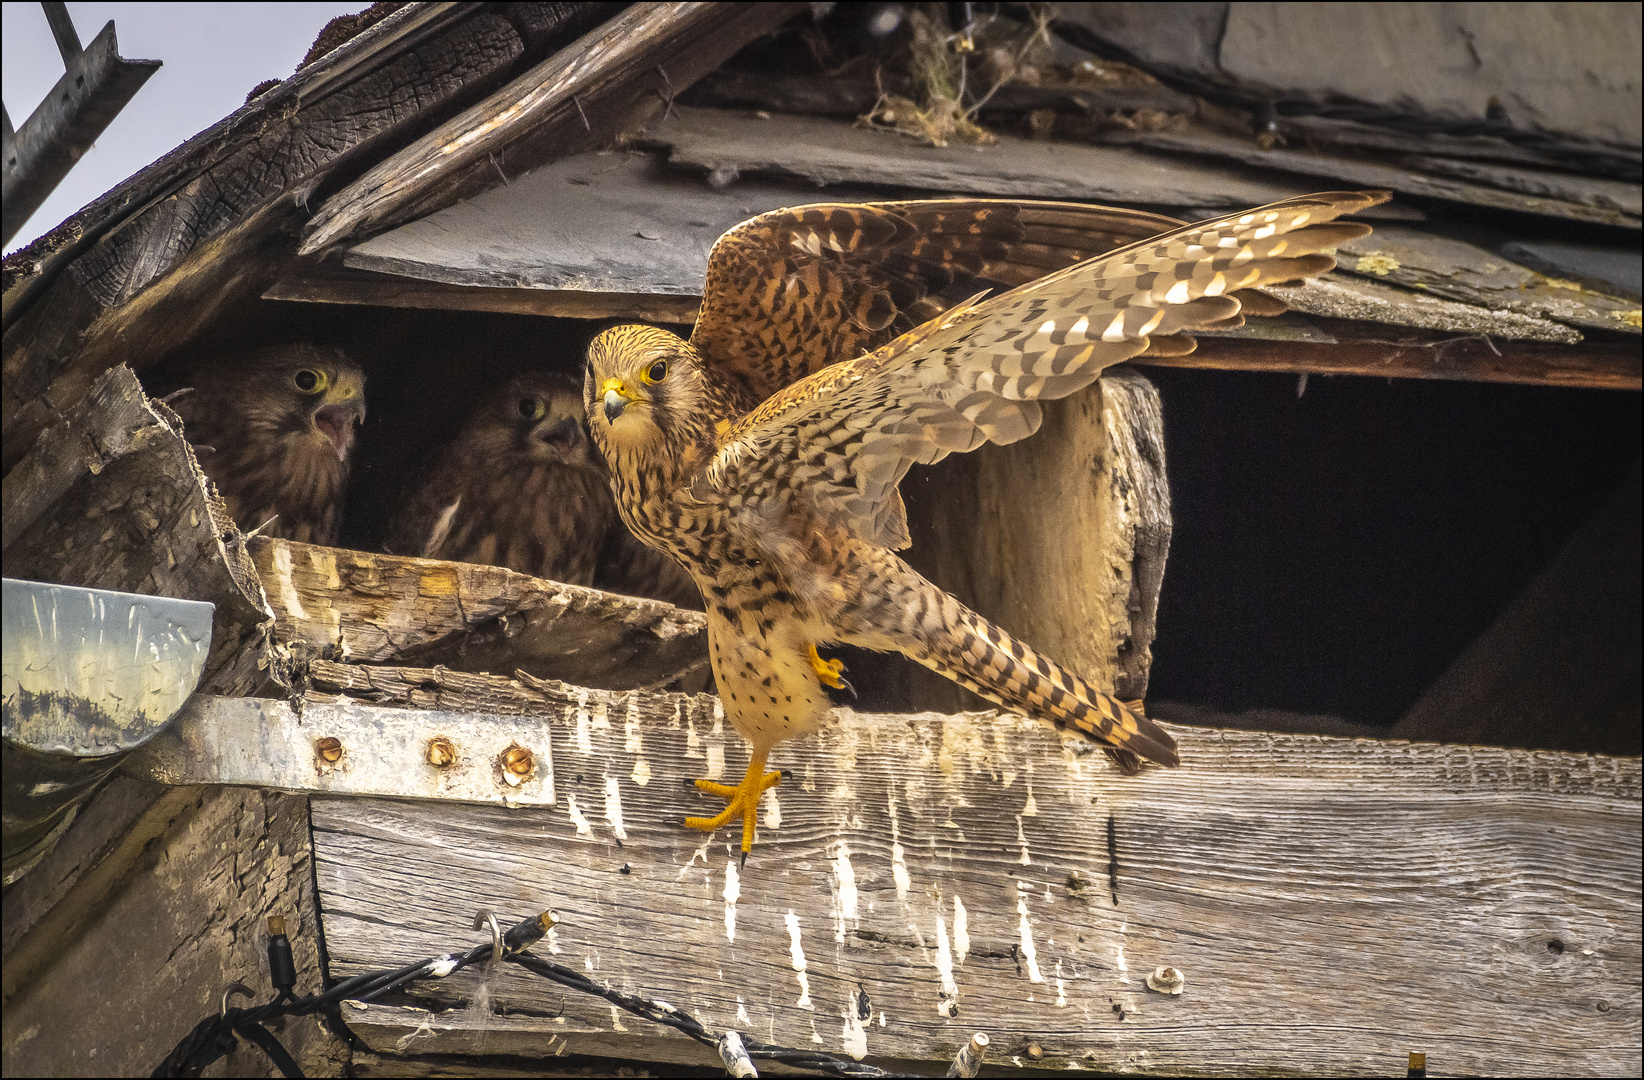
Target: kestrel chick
x: 274, y: 431
x: 786, y: 509
x: 520, y: 487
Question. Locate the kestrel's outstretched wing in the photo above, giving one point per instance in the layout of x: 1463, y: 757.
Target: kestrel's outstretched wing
x: 843, y: 438
x: 794, y: 290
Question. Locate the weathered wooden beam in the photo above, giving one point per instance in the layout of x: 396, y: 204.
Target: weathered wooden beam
x: 1572, y: 198
x: 1460, y: 271
x: 1333, y: 903
x: 136, y: 952
x: 112, y: 498
x: 327, y: 285
x: 1402, y: 354
x: 366, y: 608
x: 577, y: 98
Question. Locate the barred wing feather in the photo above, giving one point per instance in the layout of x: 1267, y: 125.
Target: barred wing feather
x: 844, y: 437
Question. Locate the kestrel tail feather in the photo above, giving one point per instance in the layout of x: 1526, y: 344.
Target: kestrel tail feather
x: 958, y: 644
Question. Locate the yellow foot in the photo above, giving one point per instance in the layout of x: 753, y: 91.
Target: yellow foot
x: 743, y: 799
x: 831, y: 672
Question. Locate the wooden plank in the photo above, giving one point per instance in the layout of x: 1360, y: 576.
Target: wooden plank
x: 112, y: 498
x: 825, y: 152
x: 1406, y: 354
x: 1343, y: 296
x: 1461, y: 271
x: 577, y: 98
x: 1333, y: 903
x: 594, y: 223
x: 368, y: 608
x: 152, y: 938
x: 328, y: 285
x: 1609, y: 202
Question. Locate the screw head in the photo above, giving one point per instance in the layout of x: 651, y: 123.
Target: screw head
x: 441, y: 753
x: 329, y: 750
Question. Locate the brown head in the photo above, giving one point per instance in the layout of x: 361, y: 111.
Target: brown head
x: 280, y: 423
x: 651, y: 404
x: 535, y: 419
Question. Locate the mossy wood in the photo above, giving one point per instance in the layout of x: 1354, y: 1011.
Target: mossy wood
x: 1332, y: 903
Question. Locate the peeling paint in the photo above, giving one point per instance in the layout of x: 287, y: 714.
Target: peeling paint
x: 771, y: 816
x: 693, y: 741
x: 1021, y: 838
x: 796, y: 952
x: 742, y: 1017
x: 719, y: 717
x: 1030, y: 954
x: 961, y: 930
x: 616, y: 1019
x: 1061, y: 987
x: 733, y: 893
x: 642, y: 772
x: 716, y: 762
x: 613, y: 807
x: 583, y: 828
x: 602, y: 715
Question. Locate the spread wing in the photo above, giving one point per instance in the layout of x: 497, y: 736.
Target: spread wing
x: 794, y: 290
x: 846, y: 436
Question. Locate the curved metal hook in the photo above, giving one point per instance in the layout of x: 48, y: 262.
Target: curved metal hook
x: 481, y: 917
x: 236, y: 989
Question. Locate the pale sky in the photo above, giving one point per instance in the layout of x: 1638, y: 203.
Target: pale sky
x: 214, y: 54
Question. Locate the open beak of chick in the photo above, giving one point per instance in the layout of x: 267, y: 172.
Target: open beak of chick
x: 617, y: 396
x: 341, y: 410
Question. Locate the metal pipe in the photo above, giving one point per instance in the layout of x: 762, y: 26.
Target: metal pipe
x: 97, y: 84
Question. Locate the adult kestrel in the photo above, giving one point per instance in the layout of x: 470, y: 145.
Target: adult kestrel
x: 519, y: 487
x: 274, y: 430
x: 782, y: 499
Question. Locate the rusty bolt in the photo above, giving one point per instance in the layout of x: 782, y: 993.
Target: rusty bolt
x: 1035, y: 1051
x: 517, y: 763
x: 441, y: 754
x: 329, y: 749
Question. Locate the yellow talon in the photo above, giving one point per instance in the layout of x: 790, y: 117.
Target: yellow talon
x: 829, y: 671
x: 743, y: 800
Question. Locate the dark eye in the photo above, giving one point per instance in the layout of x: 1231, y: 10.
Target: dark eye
x: 309, y: 381
x: 657, y: 372
x: 531, y: 408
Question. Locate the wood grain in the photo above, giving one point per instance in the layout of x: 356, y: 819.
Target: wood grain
x: 1398, y: 353
x: 577, y: 98
x: 368, y: 608
x: 1333, y: 903
x: 1461, y: 271
x: 112, y: 498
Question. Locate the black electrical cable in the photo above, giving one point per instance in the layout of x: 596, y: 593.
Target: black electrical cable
x: 215, y: 1036
x: 1616, y: 161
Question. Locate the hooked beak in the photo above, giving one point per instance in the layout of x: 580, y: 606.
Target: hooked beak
x: 342, y: 407
x: 617, y: 397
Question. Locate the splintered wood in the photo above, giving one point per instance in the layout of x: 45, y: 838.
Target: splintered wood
x: 368, y: 608
x: 1331, y: 903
